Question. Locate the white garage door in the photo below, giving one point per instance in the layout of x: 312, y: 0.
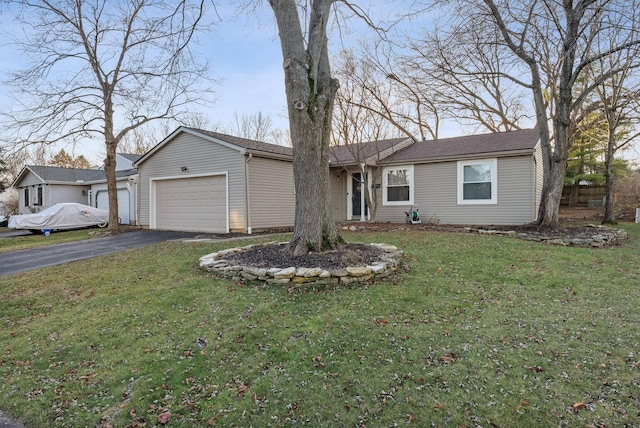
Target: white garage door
x: 102, y: 202
x: 197, y: 204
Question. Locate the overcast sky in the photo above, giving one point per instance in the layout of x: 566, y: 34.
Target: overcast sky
x: 245, y: 56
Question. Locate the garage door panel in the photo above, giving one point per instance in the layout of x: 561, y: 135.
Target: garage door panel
x: 102, y: 202
x: 196, y: 204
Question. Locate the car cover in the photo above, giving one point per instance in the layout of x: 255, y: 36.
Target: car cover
x: 61, y: 216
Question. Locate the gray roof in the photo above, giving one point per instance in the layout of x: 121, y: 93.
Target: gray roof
x: 70, y: 175
x: 467, y: 146
x: 251, y: 145
x: 130, y: 156
x: 395, y: 150
x: 355, y: 153
x: 241, y: 144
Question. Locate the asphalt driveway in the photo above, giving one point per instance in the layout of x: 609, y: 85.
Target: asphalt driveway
x: 24, y: 260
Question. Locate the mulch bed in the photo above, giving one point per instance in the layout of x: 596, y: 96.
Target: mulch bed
x: 279, y: 256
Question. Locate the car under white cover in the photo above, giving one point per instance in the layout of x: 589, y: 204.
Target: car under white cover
x: 63, y: 216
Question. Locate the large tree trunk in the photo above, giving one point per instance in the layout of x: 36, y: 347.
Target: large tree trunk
x: 310, y: 95
x: 111, y: 145
x: 314, y: 228
x: 549, y: 210
x: 609, y: 183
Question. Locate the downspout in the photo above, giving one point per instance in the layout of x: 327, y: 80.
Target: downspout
x: 247, y: 193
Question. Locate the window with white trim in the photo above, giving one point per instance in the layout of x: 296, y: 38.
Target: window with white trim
x: 478, y: 181
x: 397, y: 185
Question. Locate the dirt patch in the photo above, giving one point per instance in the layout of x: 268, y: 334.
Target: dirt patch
x: 569, y: 214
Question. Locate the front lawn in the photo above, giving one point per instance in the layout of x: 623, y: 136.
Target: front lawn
x: 38, y: 239
x: 480, y: 331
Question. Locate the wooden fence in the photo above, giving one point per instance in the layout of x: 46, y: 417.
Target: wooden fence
x: 583, y: 196
x: 593, y: 197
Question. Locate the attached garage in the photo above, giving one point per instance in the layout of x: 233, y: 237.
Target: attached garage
x: 203, y: 181
x: 194, y: 204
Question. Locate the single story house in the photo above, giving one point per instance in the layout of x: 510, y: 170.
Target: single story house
x: 477, y: 180
x: 40, y: 187
x: 203, y: 181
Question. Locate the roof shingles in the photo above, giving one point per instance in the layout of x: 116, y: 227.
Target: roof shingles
x: 472, y: 145
x: 68, y: 175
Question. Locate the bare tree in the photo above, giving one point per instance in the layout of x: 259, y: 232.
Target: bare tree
x: 556, y: 42
x: 620, y: 102
x: 102, y: 69
x: 357, y: 127
x: 464, y: 73
x: 310, y: 90
x: 388, y: 92
x: 255, y: 126
x: 3, y: 171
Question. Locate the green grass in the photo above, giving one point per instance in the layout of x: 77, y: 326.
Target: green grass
x: 479, y: 330
x: 39, y: 240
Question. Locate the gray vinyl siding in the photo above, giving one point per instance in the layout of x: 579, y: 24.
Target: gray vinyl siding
x: 338, y: 187
x: 199, y: 156
x: 435, y: 194
x: 30, y: 179
x: 271, y: 193
x: 51, y: 195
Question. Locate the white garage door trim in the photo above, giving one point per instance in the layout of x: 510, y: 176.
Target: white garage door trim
x: 152, y: 193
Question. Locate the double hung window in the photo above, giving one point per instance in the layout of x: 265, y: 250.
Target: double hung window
x: 477, y: 181
x: 397, y: 186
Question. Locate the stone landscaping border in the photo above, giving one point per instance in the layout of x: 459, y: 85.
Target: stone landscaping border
x: 602, y: 236
x: 594, y: 235
x: 302, y: 276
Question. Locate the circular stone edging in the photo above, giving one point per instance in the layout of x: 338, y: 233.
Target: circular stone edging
x: 296, y: 276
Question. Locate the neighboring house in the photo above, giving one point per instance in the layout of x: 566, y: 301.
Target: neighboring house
x: 203, y: 181
x: 476, y: 180
x: 40, y: 187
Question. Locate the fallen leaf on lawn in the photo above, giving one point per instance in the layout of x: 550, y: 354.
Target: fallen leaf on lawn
x: 163, y: 418
x: 578, y: 406
x: 242, y: 389
x: 380, y: 321
x: 412, y: 417
x: 447, y: 359
x: 535, y: 369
